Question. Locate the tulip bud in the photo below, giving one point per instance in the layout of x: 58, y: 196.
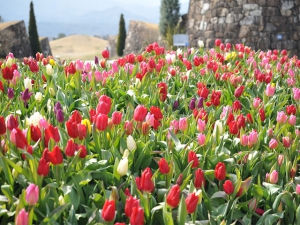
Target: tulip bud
x: 131, y: 145
x: 280, y: 159
x: 252, y: 204
x: 179, y: 180
x: 49, y: 70
x: 298, y: 189
x: 27, y: 84
x: 22, y: 218
x: 32, y: 194
x: 123, y: 166
x: 273, y: 177
x: 52, y: 92
x: 38, y: 96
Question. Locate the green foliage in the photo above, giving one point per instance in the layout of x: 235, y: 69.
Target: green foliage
x: 169, y: 15
x: 121, y: 36
x: 33, y: 34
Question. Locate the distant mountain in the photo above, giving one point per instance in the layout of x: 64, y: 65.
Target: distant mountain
x: 90, y: 17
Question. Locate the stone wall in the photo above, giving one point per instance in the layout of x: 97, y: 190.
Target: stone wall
x: 112, y: 42
x: 139, y: 35
x: 45, y: 45
x: 14, y: 38
x: 259, y: 24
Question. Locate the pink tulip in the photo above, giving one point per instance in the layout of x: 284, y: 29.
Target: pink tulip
x: 270, y: 90
x: 292, y: 120
x: 32, y: 194
x: 298, y: 189
x: 183, y: 125
x: 201, y: 125
x: 280, y: 159
x: 256, y: 102
x: 253, y: 137
x: 281, y: 117
x: 274, y: 177
x: 273, y: 144
x: 201, y: 139
x: 244, y: 140
x: 296, y: 93
x: 22, y: 218
x: 270, y: 132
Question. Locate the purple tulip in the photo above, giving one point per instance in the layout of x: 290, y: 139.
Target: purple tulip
x: 175, y: 105
x: 10, y: 93
x: 57, y: 106
x: 60, y: 116
x: 96, y: 60
x: 25, y: 96
x: 200, y: 103
x: 192, y: 104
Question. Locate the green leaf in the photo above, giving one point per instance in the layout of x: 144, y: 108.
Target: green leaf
x: 182, y: 211
x: 6, y: 170
x: 55, y: 214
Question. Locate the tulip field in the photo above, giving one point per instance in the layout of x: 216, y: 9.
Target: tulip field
x: 192, y: 136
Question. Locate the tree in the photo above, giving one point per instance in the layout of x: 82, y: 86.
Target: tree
x: 169, y: 15
x: 121, y: 36
x: 33, y: 34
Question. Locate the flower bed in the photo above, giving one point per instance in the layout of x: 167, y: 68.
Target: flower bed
x: 205, y: 137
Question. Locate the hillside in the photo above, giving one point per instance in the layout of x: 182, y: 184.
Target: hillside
x: 78, y: 47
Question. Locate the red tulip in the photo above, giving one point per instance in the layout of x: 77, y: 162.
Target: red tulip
x: 51, y: 132
x: 108, y: 210
x: 193, y: 157
x: 137, y: 216
x: 156, y: 112
x: 217, y: 42
x: 18, y: 138
x: 43, y: 167
x: 8, y: 72
x: 145, y: 128
x: 101, y: 122
x: 239, y: 91
x: 72, y: 129
x: 241, y: 121
x: 262, y: 114
x: 220, y: 171
x: 215, y: 98
x: 33, y: 66
x: 81, y: 131
x: 203, y: 92
x: 116, y: 118
x: 140, y: 113
x: 93, y: 115
x: 162, y: 91
x: 173, y: 196
x: 199, y: 178
x: 55, y: 157
x: 191, y: 202
x: 1, y: 85
x: 105, y: 54
x: 128, y: 127
x: 249, y: 118
x: 35, y: 133
x: 291, y: 110
x: 163, y: 166
x: 138, y: 183
x: 70, y: 148
x: 228, y: 187
x: 131, y: 202
x: 146, y: 183
x: 83, y: 151
x: 2, y: 126
x: 230, y: 118
x: 103, y: 108
x: 12, y: 122
x: 237, y: 105
x: 233, y: 128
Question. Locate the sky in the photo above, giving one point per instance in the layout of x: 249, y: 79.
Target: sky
x: 91, y: 17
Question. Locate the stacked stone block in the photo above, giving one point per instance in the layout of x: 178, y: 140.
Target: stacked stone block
x: 259, y: 24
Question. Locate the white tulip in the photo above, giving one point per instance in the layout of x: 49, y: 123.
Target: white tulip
x: 179, y: 51
x: 38, y: 96
x: 9, y: 62
x: 126, y: 153
x: 35, y: 118
x: 123, y: 167
x: 131, y: 143
x: 218, y: 129
x: 200, y: 44
x: 27, y: 83
x: 49, y: 70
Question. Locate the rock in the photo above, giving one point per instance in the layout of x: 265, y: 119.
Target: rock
x: 222, y: 12
x: 286, y: 12
x: 256, y: 12
x: 278, y: 19
x: 286, y: 5
x: 294, y: 36
x: 261, y: 2
x: 214, y: 20
x: 229, y: 18
x: 208, y: 34
x: 233, y: 27
x: 14, y: 38
x: 263, y: 43
x: 270, y: 27
x: 139, y: 35
x: 203, y: 25
x: 221, y: 20
x: 244, y: 31
x: 241, y: 2
x: 270, y: 11
x: 45, y: 45
x: 249, y: 7
x: 248, y: 20
x: 205, y: 7
x: 273, y: 3
x: 279, y: 37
